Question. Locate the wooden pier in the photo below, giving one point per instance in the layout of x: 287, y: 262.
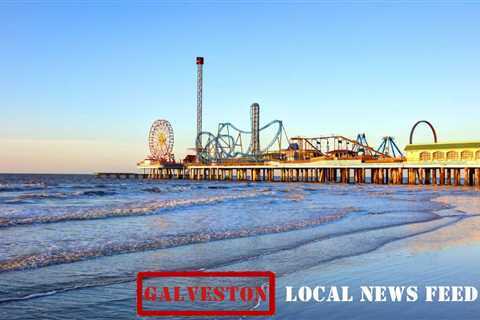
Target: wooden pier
x: 121, y: 175
x: 449, y: 164
x: 333, y: 171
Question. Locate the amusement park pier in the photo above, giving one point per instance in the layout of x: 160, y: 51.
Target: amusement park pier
x: 267, y: 153
x: 455, y: 173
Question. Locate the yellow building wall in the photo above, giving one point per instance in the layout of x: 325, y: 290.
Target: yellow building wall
x: 444, y: 153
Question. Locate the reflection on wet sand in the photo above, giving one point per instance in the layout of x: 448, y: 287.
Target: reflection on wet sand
x: 160, y: 223
x: 469, y: 204
x: 464, y: 232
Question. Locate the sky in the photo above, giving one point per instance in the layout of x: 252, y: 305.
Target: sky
x: 81, y: 82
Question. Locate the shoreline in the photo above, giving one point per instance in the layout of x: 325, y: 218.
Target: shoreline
x: 445, y: 256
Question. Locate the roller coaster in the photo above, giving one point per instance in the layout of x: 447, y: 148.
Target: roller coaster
x: 229, y: 143
x: 340, y: 147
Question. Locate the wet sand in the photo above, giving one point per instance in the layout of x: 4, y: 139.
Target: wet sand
x: 447, y: 256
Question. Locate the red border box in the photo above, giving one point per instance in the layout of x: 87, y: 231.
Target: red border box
x: 194, y: 274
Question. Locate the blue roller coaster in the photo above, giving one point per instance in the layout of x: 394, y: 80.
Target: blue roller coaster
x: 230, y: 142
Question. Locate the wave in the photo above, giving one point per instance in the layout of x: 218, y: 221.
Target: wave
x: 48, y: 290
x: 12, y: 189
x: 98, y: 193
x: 132, y: 210
x: 28, y: 197
x: 168, y: 188
x: 19, y: 189
x: 85, y: 186
x: 58, y: 257
x: 154, y: 190
x: 327, y: 251
x: 44, y: 290
x: 40, y: 196
x: 31, y: 296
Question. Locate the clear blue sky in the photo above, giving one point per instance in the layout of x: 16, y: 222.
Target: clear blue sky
x: 81, y: 84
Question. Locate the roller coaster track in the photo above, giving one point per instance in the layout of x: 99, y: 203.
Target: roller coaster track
x: 228, y: 142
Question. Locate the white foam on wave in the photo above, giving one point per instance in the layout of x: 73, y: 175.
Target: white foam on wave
x: 44, y: 259
x: 133, y: 209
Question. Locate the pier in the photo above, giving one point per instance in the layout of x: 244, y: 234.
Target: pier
x: 120, y: 175
x: 449, y: 164
x: 342, y: 171
x: 234, y: 154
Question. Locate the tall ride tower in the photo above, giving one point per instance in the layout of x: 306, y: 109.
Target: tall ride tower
x: 255, y: 126
x: 198, y: 138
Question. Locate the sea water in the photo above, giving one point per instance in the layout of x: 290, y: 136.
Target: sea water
x: 71, y: 245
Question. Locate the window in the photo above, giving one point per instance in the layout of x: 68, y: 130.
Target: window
x: 477, y: 155
x: 452, y: 155
x: 424, y: 156
x: 467, y: 155
x: 438, y: 155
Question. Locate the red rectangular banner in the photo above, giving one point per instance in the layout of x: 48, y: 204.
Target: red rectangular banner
x: 214, y: 295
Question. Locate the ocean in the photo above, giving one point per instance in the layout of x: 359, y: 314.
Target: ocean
x: 71, y: 245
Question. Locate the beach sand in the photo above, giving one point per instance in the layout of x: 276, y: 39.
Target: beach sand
x: 447, y: 256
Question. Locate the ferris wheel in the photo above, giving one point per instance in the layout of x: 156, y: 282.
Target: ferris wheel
x: 160, y: 140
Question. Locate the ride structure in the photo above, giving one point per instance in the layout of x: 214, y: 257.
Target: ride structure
x: 337, y: 147
x: 388, y: 147
x: 160, y: 141
x: 266, y: 153
x: 198, y: 143
x: 233, y: 144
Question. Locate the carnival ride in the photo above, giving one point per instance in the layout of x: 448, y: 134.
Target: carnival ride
x: 160, y: 141
x: 389, y: 147
x: 231, y: 142
x: 341, y: 148
x: 228, y: 145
